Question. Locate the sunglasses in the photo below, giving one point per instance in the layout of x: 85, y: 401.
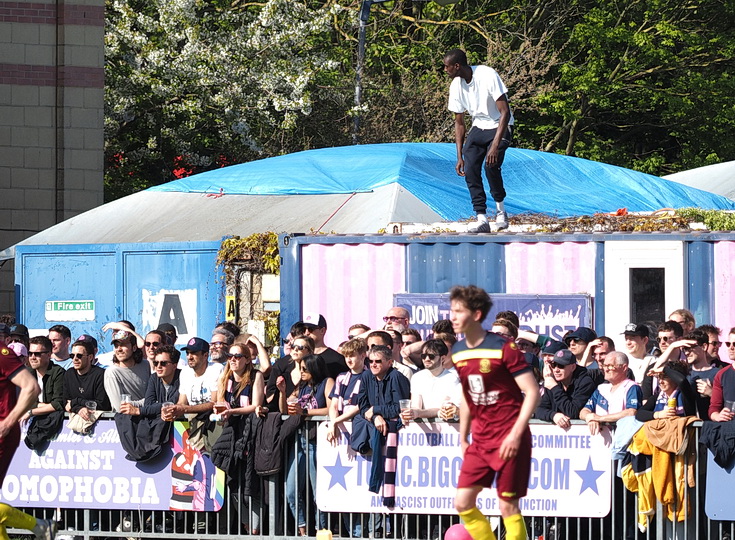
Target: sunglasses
x: 351, y: 336
x: 161, y: 363
x: 576, y: 340
x: 299, y: 347
x: 715, y: 343
x: 376, y: 362
x: 237, y: 355
x: 152, y: 343
x: 393, y: 319
x: 664, y: 339
x: 37, y: 353
x: 687, y: 350
x: 729, y: 344
x: 429, y: 356
x: 558, y: 366
x: 217, y: 344
x: 77, y: 356
x: 285, y: 342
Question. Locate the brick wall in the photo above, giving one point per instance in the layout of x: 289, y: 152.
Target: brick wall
x: 51, y: 118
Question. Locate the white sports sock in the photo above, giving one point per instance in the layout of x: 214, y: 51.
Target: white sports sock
x: 500, y: 206
x: 481, y: 218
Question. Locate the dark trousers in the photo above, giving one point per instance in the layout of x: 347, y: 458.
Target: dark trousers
x: 474, y: 153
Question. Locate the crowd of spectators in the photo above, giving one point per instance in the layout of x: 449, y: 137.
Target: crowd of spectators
x: 380, y: 379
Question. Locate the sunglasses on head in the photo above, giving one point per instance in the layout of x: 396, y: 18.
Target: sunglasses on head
x: 161, y: 363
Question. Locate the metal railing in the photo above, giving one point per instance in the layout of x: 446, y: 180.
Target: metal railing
x: 271, y: 517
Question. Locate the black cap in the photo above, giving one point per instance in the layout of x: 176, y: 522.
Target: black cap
x: 553, y: 347
x: 18, y: 330
x: 196, y: 344
x: 314, y: 320
x: 633, y: 329
x: 86, y: 338
x: 167, y: 327
x: 582, y: 333
x: 564, y: 357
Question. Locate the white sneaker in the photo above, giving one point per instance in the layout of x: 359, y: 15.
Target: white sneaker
x: 45, y: 529
x: 501, y: 220
x: 479, y: 227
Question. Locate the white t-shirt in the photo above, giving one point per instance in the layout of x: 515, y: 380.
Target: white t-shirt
x: 639, y: 366
x: 478, y: 97
x: 434, y: 390
x: 200, y: 390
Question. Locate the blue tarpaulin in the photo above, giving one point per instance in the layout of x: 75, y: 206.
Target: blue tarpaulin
x: 535, y: 181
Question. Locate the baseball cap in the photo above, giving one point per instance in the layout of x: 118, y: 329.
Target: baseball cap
x: 582, y: 333
x: 121, y: 335
x: 19, y: 349
x: 553, y: 347
x: 167, y: 327
x: 314, y: 320
x: 86, y: 338
x: 633, y: 329
x: 18, y: 330
x: 564, y: 357
x: 196, y: 344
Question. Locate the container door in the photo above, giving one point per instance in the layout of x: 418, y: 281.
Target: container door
x: 644, y: 282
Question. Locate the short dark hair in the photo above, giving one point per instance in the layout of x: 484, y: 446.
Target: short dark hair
x: 297, y: 329
x: 442, y: 326
x: 128, y: 324
x: 671, y: 326
x: 512, y: 328
x: 436, y: 346
x: 61, y: 329
x: 230, y: 327
x: 456, y: 56
x: 173, y: 353
x: 699, y: 336
x: 382, y: 350
x: 384, y: 336
x: 86, y: 345
x: 43, y: 341
x: 509, y: 316
x: 709, y: 329
x: 159, y: 334
x: 610, y: 343
x: 473, y: 297
x: 411, y: 332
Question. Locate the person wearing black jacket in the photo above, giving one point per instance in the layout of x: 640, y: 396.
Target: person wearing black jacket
x: 567, y: 386
x: 84, y: 382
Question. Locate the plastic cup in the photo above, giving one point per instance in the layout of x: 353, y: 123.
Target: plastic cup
x: 729, y: 405
x: 291, y: 402
x: 165, y: 408
x: 91, y: 405
x: 125, y: 398
x: 404, y: 405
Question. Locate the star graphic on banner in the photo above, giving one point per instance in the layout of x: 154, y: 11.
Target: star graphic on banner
x: 337, y: 473
x: 589, y: 477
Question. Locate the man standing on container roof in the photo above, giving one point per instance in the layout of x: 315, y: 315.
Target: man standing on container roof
x: 479, y: 91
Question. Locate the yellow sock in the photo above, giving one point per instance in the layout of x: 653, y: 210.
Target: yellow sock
x: 10, y: 517
x: 515, y: 527
x: 477, y: 525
